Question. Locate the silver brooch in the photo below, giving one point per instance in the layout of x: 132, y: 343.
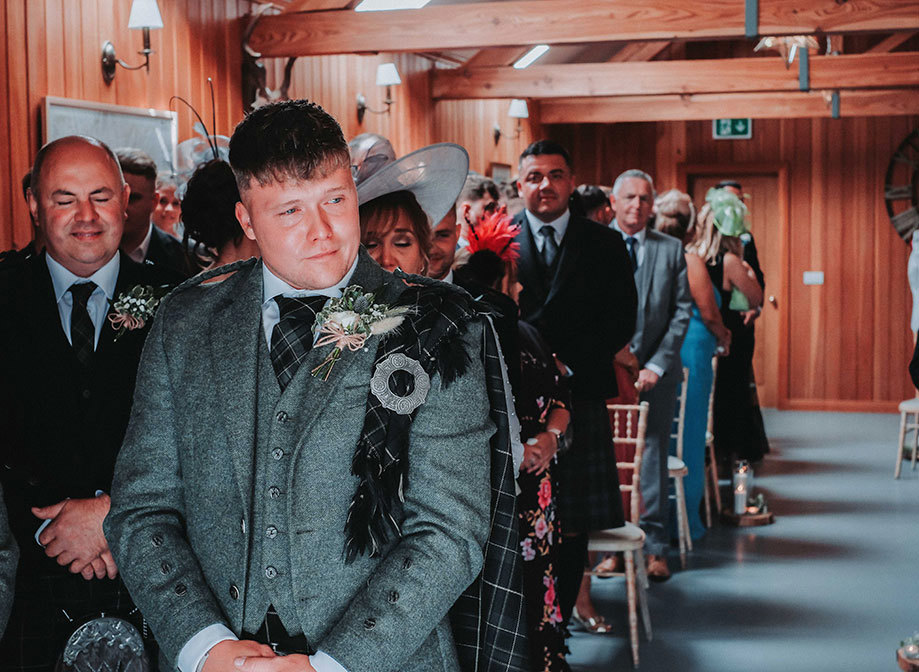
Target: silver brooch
x: 379, y: 384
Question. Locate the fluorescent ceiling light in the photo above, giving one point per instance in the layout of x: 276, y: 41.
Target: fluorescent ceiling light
x: 528, y: 58
x: 380, y: 5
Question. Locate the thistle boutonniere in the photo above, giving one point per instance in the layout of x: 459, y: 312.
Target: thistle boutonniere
x: 133, y: 309
x: 348, y: 322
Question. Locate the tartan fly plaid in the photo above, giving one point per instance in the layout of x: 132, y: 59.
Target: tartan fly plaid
x: 292, y: 336
x: 489, y: 620
x: 82, y: 331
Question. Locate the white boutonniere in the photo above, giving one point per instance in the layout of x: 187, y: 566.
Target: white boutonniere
x: 348, y: 322
x: 133, y: 309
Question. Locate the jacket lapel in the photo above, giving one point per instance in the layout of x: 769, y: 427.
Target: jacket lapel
x: 234, y: 333
x: 645, y: 275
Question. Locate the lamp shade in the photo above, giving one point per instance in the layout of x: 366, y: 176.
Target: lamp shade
x: 145, y: 14
x: 518, y: 109
x: 388, y: 75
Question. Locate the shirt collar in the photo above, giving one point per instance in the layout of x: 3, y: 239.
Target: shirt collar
x: 448, y: 278
x: 640, y: 236
x: 560, y: 224
x: 272, y: 285
x: 139, y: 253
x: 106, y: 277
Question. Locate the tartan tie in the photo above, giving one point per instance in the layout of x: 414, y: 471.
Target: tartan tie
x: 292, y: 336
x: 82, y: 330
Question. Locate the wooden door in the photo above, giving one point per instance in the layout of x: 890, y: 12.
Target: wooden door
x: 764, y: 200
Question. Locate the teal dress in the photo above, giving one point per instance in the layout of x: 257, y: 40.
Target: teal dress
x: 696, y: 353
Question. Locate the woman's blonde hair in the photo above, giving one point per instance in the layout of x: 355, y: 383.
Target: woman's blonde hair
x: 705, y: 240
x: 674, y: 213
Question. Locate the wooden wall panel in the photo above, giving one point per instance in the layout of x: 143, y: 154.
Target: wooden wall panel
x: 53, y: 48
x: 849, y: 340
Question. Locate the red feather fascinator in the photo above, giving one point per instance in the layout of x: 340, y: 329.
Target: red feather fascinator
x: 495, y: 232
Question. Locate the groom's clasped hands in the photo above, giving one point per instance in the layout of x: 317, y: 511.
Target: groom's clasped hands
x: 248, y: 656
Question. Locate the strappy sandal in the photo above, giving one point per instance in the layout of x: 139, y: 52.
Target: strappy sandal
x: 595, y: 626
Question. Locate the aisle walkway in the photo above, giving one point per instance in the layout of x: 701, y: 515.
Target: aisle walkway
x: 832, y: 585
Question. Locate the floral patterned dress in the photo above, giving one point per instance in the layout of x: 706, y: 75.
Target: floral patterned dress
x: 540, y: 392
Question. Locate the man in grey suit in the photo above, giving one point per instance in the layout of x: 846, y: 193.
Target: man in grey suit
x: 234, y: 499
x: 664, y: 308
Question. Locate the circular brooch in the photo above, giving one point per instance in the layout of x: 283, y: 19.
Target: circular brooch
x: 379, y: 384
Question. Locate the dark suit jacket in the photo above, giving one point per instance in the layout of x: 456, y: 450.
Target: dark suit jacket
x: 166, y: 251
x: 587, y: 312
x: 62, y: 426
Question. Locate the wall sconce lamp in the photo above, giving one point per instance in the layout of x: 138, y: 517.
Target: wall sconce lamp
x: 145, y: 15
x: 517, y: 110
x: 388, y: 76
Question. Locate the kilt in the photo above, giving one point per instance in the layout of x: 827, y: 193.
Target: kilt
x: 46, y: 611
x: 588, y: 483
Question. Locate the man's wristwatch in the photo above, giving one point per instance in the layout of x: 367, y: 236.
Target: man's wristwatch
x: 559, y: 437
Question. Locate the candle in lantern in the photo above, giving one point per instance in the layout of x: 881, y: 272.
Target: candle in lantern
x: 741, y: 484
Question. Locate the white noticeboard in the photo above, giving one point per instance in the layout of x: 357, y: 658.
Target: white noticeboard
x: 154, y: 131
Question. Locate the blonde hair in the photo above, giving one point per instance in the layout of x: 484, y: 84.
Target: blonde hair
x: 674, y: 213
x: 706, y: 241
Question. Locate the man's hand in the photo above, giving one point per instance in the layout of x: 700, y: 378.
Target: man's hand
x: 292, y: 663
x: 223, y: 656
x: 647, y: 379
x: 627, y: 359
x: 538, y: 456
x: 75, y: 536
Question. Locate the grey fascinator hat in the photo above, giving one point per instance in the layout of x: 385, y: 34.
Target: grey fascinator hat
x: 434, y: 175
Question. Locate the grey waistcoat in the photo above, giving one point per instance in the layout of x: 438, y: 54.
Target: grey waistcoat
x: 269, y: 577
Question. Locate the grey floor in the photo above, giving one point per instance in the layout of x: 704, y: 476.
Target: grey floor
x: 832, y: 585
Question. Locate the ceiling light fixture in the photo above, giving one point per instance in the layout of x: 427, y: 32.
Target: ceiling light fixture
x: 528, y: 58
x: 386, y: 5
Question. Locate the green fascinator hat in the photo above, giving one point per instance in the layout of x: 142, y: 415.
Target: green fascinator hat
x: 728, y: 210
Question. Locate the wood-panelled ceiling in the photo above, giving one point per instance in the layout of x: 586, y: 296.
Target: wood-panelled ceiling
x: 621, y: 55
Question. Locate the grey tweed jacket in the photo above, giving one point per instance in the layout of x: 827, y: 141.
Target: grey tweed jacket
x: 182, y: 493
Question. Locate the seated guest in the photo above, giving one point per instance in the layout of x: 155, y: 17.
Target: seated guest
x: 142, y: 241
x: 706, y: 332
x: 479, y: 197
x: 541, y: 406
x: 68, y: 379
x: 167, y: 214
x: 395, y: 231
x: 596, y: 204
x: 209, y: 211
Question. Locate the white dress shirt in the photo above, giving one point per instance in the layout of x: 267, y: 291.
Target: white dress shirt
x: 640, y: 239
x: 194, y: 652
x: 98, y: 304
x: 560, y: 225
x: 139, y: 253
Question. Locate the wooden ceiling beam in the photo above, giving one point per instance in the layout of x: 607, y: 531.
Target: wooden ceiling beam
x: 496, y: 57
x: 855, y: 71
x: 522, y: 22
x: 639, y: 51
x: 888, y: 44
x: 794, y: 105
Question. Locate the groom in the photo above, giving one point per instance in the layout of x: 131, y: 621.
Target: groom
x: 243, y: 477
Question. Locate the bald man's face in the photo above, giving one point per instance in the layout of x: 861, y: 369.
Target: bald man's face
x: 80, y: 206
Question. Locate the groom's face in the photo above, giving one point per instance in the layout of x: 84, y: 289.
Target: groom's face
x: 308, y: 231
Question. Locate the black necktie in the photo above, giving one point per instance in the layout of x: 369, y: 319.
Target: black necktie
x: 292, y: 336
x: 82, y: 331
x: 549, y: 246
x: 631, y: 242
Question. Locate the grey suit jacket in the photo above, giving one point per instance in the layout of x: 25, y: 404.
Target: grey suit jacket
x: 9, y: 560
x: 664, y: 304
x: 182, y: 493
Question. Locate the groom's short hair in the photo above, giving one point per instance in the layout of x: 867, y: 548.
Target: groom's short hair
x: 293, y: 139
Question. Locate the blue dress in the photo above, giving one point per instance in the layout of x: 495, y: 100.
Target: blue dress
x: 696, y: 353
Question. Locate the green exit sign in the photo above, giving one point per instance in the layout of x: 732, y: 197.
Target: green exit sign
x: 732, y: 129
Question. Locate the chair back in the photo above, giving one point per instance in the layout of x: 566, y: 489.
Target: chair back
x: 710, y: 425
x: 679, y: 419
x: 630, y: 425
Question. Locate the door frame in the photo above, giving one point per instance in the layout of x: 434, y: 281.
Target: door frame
x: 780, y: 170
